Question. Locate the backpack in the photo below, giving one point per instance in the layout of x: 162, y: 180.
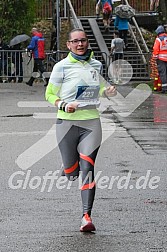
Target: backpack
x: 107, y: 8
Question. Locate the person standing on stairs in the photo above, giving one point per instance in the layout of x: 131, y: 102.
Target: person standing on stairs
x: 154, y: 4
x: 107, y: 6
x: 122, y: 24
x: 117, y: 50
x: 117, y: 46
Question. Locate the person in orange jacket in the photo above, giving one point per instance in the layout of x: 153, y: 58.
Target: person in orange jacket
x: 160, y: 54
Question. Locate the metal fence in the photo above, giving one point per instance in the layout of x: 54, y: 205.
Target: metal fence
x: 46, y: 8
x: 17, y: 66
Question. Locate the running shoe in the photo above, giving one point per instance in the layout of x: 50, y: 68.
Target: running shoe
x: 86, y: 224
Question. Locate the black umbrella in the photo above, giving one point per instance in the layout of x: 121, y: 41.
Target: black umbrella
x: 124, y: 11
x: 18, y: 39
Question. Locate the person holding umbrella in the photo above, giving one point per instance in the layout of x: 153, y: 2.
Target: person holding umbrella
x: 17, y: 59
x: 37, y: 46
x: 123, y: 14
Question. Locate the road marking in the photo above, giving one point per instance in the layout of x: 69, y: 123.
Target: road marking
x: 23, y: 133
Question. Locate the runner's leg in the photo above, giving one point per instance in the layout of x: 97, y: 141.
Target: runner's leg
x: 90, y: 141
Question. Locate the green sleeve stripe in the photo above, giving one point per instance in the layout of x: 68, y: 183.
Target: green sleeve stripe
x: 51, y: 93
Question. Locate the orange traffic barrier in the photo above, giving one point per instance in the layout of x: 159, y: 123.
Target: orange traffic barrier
x: 155, y: 75
x: 157, y: 84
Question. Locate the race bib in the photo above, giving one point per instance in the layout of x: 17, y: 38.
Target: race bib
x: 88, y: 95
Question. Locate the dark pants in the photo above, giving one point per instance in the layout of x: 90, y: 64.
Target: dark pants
x: 123, y: 35
x: 38, y: 66
x: 19, y: 71
x: 117, y: 56
x: 3, y: 68
x: 162, y: 70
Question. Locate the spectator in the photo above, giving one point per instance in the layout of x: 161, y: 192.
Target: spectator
x: 154, y: 4
x: 107, y: 12
x: 3, y: 59
x: 37, y: 46
x: 122, y: 25
x: 74, y: 87
x: 17, y: 60
x: 160, y: 54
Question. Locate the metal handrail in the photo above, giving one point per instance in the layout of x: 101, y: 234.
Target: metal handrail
x: 138, y: 45
x: 141, y: 36
x: 75, y: 19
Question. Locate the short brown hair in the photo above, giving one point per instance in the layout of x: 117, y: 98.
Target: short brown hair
x: 75, y: 30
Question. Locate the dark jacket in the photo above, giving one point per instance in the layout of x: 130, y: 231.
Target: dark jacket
x: 16, y: 56
x: 3, y: 55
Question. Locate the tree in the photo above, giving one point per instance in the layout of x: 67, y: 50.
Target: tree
x: 16, y: 17
x: 163, y: 8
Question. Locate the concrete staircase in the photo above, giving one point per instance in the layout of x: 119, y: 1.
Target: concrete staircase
x: 100, y: 43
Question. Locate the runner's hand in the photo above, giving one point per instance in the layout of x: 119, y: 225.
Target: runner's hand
x: 71, y: 107
x: 110, y: 91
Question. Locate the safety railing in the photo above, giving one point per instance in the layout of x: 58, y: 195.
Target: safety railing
x: 134, y: 62
x: 17, y: 67
x: 140, y: 6
x: 45, y: 9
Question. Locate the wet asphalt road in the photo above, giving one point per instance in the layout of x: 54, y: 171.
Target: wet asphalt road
x: 130, y: 215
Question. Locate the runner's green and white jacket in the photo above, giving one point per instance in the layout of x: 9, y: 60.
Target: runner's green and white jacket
x: 68, y: 80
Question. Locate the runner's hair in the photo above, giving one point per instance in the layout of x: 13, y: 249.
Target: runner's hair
x: 75, y: 30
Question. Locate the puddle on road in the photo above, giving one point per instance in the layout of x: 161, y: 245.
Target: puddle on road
x: 160, y: 109
x: 147, y: 125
